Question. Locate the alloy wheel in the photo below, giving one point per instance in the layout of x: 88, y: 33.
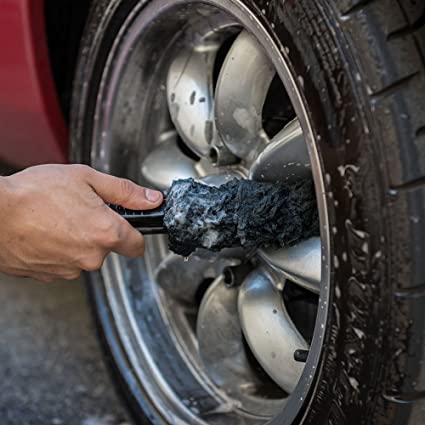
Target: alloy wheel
x: 231, y: 337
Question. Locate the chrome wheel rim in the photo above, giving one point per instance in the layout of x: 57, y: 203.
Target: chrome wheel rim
x: 140, y: 114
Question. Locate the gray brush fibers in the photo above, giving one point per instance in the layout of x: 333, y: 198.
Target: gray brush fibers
x: 239, y: 213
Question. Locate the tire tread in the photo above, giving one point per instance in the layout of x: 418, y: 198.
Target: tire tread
x: 391, y: 33
x: 356, y: 6
x: 413, y: 292
x: 395, y: 86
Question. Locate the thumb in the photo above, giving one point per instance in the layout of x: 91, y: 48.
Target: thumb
x: 124, y: 192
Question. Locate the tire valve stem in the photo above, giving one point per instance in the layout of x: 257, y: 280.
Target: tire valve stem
x: 301, y: 355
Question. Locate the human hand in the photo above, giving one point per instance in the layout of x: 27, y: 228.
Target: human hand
x: 54, y: 222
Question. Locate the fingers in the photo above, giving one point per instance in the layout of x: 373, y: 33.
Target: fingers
x: 118, y: 235
x: 111, y: 232
x: 123, y: 192
x: 51, y: 277
x: 43, y: 277
x: 131, y: 242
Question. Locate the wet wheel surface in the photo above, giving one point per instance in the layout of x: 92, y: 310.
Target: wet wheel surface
x: 328, y: 331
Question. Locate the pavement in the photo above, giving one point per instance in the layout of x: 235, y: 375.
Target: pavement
x: 51, y: 367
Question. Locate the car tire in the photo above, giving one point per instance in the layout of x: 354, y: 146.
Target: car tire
x: 360, y: 69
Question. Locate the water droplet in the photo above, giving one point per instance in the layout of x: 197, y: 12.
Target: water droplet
x: 301, y: 80
x: 336, y: 262
x: 337, y: 292
x: 360, y: 334
x: 354, y: 383
x: 328, y: 178
x: 414, y: 219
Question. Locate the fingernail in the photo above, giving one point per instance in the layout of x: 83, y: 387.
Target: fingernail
x: 152, y: 195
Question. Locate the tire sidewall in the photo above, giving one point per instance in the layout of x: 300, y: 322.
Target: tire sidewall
x: 350, y: 381
x: 359, y: 315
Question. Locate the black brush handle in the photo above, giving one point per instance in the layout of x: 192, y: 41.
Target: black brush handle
x: 149, y: 222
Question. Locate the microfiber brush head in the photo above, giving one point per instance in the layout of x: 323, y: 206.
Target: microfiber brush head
x: 239, y: 213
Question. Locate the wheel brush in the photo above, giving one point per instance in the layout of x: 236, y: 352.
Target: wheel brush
x: 243, y: 213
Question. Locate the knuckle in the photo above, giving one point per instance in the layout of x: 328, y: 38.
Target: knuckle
x: 126, y: 189
x: 45, y: 278
x: 81, y: 169
x: 73, y: 275
x: 111, y: 240
x: 110, y: 235
x: 93, y: 263
x: 138, y: 249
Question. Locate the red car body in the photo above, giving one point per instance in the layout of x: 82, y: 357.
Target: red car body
x: 32, y: 129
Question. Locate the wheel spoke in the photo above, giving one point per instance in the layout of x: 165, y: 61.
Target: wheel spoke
x: 181, y: 279
x: 285, y: 158
x: 269, y: 331
x: 220, y: 339
x: 190, y: 100
x: 167, y: 163
x: 240, y: 94
x: 300, y: 263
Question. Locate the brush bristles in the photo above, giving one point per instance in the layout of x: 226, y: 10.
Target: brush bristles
x: 239, y: 213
